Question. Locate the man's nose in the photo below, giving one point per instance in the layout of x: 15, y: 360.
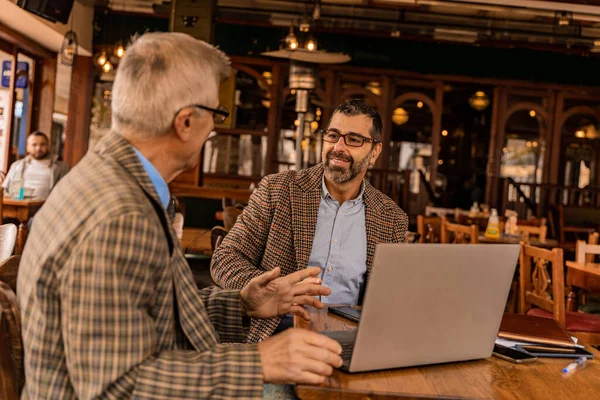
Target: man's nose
x: 340, y: 145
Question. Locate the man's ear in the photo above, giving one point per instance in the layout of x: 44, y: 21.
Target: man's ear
x: 181, y: 125
x: 375, y: 153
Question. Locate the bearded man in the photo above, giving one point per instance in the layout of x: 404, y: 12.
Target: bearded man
x: 327, y: 216
x: 39, y: 171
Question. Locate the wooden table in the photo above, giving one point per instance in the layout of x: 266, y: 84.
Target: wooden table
x: 196, y: 241
x: 548, y: 243
x: 22, y: 210
x: 583, y: 276
x: 490, y: 378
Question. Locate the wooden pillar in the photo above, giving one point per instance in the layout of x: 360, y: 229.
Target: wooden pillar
x: 436, y: 132
x: 196, y: 18
x: 10, y: 112
x: 44, y: 89
x: 557, y: 138
x: 80, y: 108
x: 496, y: 136
x: 274, y: 122
x: 387, y: 96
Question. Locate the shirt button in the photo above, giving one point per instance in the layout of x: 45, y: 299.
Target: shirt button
x: 329, y: 269
x: 334, y: 240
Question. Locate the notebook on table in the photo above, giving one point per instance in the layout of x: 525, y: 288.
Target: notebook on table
x: 543, y: 331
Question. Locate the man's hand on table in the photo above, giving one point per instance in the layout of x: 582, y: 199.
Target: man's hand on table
x: 299, y: 356
x: 270, y: 295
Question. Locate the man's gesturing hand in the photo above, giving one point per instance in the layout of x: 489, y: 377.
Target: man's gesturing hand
x: 299, y: 356
x: 269, y: 295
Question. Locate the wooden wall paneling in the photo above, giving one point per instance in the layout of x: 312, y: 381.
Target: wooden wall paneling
x: 80, y: 107
x: 10, y: 116
x: 44, y: 91
x: 274, y: 122
x: 25, y: 45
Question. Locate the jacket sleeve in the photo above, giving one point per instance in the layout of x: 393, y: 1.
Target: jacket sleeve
x: 109, y: 324
x: 224, y: 308
x: 401, y: 226
x: 237, y: 260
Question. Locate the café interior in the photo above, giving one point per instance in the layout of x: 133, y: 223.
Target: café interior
x: 490, y: 110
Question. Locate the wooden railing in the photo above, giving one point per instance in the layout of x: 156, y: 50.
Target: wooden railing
x: 533, y: 199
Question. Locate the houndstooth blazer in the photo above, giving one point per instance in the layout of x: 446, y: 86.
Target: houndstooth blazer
x: 109, y: 306
x: 277, y: 230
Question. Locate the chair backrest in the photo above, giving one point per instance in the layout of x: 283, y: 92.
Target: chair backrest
x: 456, y: 233
x: 429, y: 229
x: 412, y: 237
x: 538, y: 287
x: 11, y: 347
x: 585, y: 252
x: 8, y: 239
x: 217, y: 234
x: 178, y: 224
x: 539, y: 231
x: 230, y: 215
x: 431, y: 211
x: 9, y: 270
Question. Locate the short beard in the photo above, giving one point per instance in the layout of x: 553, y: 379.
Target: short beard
x: 42, y: 157
x: 340, y: 175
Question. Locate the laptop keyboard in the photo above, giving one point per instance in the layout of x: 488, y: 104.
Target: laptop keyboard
x: 346, y: 339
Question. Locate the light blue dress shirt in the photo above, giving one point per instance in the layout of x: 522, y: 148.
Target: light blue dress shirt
x: 340, y: 247
x: 157, y: 180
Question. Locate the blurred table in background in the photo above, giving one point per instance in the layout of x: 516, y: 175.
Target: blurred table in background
x: 22, y: 210
x: 196, y: 241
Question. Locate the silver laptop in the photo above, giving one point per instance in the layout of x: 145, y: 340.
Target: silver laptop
x: 429, y: 304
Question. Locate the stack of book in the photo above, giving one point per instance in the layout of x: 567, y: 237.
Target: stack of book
x: 541, y: 337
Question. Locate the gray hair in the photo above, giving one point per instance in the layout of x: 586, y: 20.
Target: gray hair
x: 160, y: 74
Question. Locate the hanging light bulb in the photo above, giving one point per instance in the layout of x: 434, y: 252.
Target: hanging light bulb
x: 107, y: 67
x: 120, y: 51
x: 102, y: 59
x: 68, y: 50
x: 311, y: 45
x: 290, y: 40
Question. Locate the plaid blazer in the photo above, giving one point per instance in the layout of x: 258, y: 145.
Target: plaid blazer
x: 277, y: 230
x: 109, y: 306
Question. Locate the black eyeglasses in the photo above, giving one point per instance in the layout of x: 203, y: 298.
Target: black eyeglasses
x: 351, y: 139
x: 220, y: 113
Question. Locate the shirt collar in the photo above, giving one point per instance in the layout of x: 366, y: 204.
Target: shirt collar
x: 326, y: 195
x: 157, y: 180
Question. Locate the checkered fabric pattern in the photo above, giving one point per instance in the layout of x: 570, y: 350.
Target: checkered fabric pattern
x: 277, y: 230
x: 109, y: 306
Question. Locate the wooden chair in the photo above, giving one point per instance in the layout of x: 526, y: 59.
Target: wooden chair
x: 412, y: 237
x: 456, y: 233
x: 539, y: 231
x: 12, y: 375
x: 429, y: 229
x: 230, y: 216
x: 217, y: 234
x: 546, y: 291
x: 8, y: 271
x: 8, y: 240
x: 431, y: 211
